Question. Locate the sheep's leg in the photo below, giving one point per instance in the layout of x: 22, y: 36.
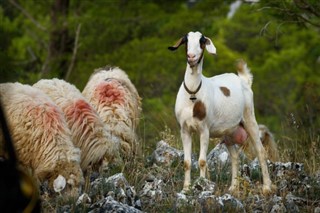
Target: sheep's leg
x: 187, y: 146
x: 204, y: 141
x: 234, y: 166
x: 253, y: 129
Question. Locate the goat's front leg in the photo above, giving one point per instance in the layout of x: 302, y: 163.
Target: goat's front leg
x: 234, y: 154
x: 204, y: 141
x: 187, y: 146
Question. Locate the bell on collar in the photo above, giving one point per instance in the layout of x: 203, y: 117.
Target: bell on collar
x: 193, y: 97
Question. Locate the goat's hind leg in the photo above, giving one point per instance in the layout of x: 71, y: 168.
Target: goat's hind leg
x: 234, y: 154
x: 252, y: 128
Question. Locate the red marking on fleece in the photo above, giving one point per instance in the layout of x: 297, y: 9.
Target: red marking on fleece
x: 78, y: 111
x: 110, y: 92
x: 47, y: 114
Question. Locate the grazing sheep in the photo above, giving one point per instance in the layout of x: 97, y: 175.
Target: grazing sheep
x: 220, y: 106
x: 117, y: 102
x: 269, y: 143
x: 41, y: 137
x: 98, y: 147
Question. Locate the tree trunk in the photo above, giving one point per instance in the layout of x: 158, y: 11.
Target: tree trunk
x: 60, y: 44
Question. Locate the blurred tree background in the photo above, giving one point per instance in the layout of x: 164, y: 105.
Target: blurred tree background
x: 280, y: 40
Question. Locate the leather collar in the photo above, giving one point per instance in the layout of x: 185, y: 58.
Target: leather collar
x: 192, y: 92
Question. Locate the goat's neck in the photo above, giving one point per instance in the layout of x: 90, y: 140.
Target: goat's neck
x: 192, y: 77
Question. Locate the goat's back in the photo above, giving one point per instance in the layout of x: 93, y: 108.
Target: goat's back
x: 227, y: 90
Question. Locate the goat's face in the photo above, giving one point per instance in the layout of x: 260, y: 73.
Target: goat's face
x: 195, y: 44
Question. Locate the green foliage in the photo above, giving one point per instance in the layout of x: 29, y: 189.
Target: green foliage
x: 134, y: 35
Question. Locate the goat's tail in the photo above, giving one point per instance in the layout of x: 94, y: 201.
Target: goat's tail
x: 244, y: 71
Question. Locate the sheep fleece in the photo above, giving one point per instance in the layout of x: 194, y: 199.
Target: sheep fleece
x: 87, y: 129
x: 117, y: 102
x: 40, y: 134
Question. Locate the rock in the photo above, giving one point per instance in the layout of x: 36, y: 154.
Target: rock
x: 218, y: 157
x: 257, y: 203
x: 123, y: 192
x: 277, y: 205
x: 152, y: 191
x: 203, y: 184
x: 298, y: 200
x: 280, y: 169
x: 109, y: 205
x: 291, y: 206
x: 165, y: 155
x: 65, y: 208
x: 202, y: 198
x: 97, y: 187
x: 184, y: 203
x: 294, y: 202
x: 317, y: 178
x: 83, y: 199
x: 278, y: 208
x: 116, y: 187
x: 208, y: 201
x: 230, y: 203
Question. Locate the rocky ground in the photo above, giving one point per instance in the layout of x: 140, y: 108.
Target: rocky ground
x: 159, y: 181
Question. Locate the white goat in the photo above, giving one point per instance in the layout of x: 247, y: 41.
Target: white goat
x: 220, y: 106
x: 98, y: 147
x: 112, y: 94
x: 41, y: 137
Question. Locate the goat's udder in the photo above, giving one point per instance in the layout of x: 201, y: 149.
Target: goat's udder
x: 237, y: 137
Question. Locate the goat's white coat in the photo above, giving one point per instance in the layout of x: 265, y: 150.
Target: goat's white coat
x: 224, y: 113
x: 98, y: 147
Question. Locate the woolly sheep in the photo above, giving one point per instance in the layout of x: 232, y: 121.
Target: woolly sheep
x: 41, y: 137
x: 98, y: 147
x: 117, y: 101
x: 269, y: 143
x: 220, y: 106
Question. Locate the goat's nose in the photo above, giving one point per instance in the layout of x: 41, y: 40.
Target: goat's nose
x: 190, y: 55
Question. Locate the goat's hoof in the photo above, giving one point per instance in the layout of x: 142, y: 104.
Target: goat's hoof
x: 268, y: 189
x: 234, y: 191
x: 186, y: 189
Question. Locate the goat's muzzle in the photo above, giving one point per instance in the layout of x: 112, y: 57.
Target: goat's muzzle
x: 192, y: 60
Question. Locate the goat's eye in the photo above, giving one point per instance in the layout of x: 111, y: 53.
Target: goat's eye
x: 203, y: 40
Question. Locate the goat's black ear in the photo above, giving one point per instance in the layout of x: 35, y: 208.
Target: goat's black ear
x: 203, y: 40
x: 181, y: 41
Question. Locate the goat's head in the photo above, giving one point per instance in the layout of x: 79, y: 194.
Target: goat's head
x: 195, y: 44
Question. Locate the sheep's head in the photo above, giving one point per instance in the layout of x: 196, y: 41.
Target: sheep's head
x: 195, y: 44
x: 68, y: 180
